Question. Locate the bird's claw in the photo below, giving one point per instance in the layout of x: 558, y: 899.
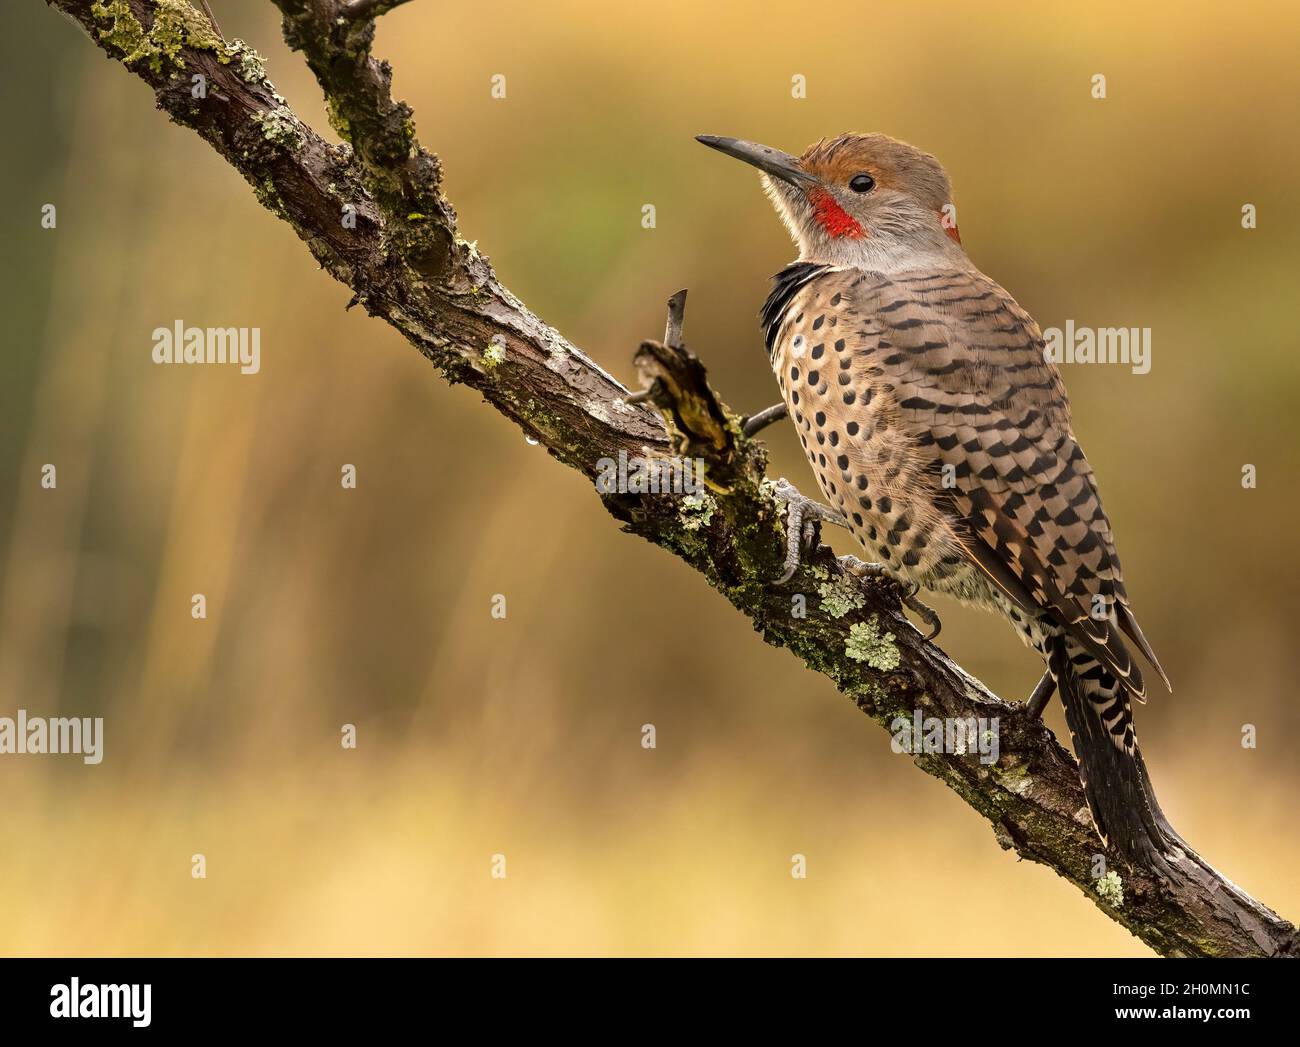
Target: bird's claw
x: 906, y: 591
x: 923, y: 611
x: 801, y: 523
x: 801, y: 520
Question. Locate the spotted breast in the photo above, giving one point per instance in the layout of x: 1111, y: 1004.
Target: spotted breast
x: 934, y: 423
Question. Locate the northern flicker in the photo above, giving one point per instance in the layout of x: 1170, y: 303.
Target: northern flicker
x: 940, y: 436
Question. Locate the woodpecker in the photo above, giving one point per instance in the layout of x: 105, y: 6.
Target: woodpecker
x: 940, y: 435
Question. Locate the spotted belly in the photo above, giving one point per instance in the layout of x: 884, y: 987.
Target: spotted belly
x: 868, y: 465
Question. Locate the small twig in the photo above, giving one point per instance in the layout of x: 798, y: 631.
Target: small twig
x: 676, y: 317
x: 756, y: 423
x: 369, y: 8
x: 212, y: 18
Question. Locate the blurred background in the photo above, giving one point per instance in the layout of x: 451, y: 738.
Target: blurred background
x: 479, y: 736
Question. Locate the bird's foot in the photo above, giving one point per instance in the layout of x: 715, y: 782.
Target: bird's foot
x: 1037, y: 701
x: 906, y: 590
x: 803, y: 515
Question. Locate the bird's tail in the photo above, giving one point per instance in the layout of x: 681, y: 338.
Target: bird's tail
x: 1115, y: 780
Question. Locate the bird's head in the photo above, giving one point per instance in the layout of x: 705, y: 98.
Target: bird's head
x: 864, y: 200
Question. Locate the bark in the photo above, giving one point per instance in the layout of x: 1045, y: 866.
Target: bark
x: 404, y: 261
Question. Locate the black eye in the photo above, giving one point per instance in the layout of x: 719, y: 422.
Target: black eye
x: 862, y: 183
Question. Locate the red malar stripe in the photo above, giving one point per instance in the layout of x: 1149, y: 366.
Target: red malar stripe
x: 832, y: 217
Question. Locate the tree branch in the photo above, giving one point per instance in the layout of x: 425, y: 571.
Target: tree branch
x: 372, y: 213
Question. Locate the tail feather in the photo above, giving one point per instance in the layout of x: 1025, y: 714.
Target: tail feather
x: 1129, y: 624
x: 1115, y: 780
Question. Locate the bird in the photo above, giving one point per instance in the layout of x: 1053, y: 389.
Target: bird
x: 940, y: 435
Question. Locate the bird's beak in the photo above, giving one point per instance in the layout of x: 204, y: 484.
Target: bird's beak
x: 768, y: 160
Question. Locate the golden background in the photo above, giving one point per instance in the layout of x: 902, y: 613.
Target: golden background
x: 521, y: 736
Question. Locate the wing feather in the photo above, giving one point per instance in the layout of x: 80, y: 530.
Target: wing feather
x: 967, y: 367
